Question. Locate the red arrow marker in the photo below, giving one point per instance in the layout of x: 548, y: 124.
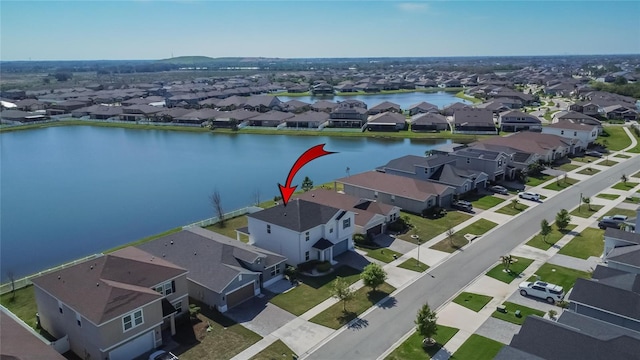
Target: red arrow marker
x: 313, y: 153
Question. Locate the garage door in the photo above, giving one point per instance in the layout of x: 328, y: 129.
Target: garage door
x: 376, y: 230
x: 340, y: 247
x: 240, y: 295
x: 133, y: 348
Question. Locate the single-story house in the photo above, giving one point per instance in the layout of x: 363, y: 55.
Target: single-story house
x: 428, y: 122
x: 622, y: 250
x: 423, y: 108
x: 386, y: 121
x: 309, y: 119
x: 324, y: 105
x: 272, y: 118
x: 451, y: 108
x: 385, y: 106
x: 262, y: 103
x: 473, y: 121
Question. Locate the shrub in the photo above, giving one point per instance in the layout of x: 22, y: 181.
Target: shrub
x: 552, y: 314
x: 434, y: 212
x: 563, y: 304
x: 323, y: 266
x: 307, y: 266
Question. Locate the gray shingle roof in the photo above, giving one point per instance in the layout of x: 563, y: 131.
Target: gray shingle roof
x: 629, y: 255
x: 298, y: 215
x: 618, y: 294
x: 622, y: 235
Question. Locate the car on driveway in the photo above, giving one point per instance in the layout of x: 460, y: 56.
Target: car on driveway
x: 593, y: 153
x: 542, y: 290
x: 619, y: 218
x: 462, y: 205
x: 499, y: 189
x: 162, y: 355
x: 529, y: 196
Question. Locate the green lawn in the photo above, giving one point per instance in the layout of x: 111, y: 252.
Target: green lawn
x: 484, y: 202
x: 619, y: 211
x: 335, y: 317
x: 538, y: 241
x: 313, y: 290
x: 617, y: 139
x: 477, y: 348
x: 585, y: 159
x: 636, y: 175
x: 607, y: 162
x: 498, y: 272
x: 561, y: 184
x: 590, y: 242
x: 427, y: 229
x: 510, y: 315
x: 608, y: 196
x: 566, y: 167
x: 585, y: 211
x: 144, y: 240
x: 411, y: 349
x: 588, y: 171
x: 624, y: 186
x: 510, y: 210
x: 472, y: 301
x: 230, y: 227
x: 622, y: 156
x: 535, y: 181
x: 277, y: 350
x: 632, y: 200
x: 477, y: 228
x: 23, y: 306
x: 462, y: 95
x: 559, y: 275
x: 413, y: 264
x: 382, y: 254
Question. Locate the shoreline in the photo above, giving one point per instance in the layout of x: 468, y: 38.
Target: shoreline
x: 452, y: 90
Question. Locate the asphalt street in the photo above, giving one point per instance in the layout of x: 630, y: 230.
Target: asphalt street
x: 381, y: 328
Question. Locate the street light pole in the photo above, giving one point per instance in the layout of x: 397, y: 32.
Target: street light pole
x: 418, y: 264
x: 580, y: 202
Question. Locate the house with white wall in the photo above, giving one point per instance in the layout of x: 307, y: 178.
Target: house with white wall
x: 303, y: 231
x: 584, y: 133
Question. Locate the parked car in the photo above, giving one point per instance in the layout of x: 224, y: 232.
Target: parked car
x: 619, y: 218
x: 462, y: 205
x: 162, y: 355
x: 529, y: 196
x: 499, y: 189
x: 609, y: 223
x: 593, y: 153
x: 542, y: 290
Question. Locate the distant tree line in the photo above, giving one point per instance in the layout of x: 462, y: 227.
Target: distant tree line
x: 620, y: 88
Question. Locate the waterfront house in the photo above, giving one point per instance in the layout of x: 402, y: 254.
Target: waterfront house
x: 309, y: 119
x: 114, y: 306
x: 102, y: 112
x: 348, y: 114
x: 139, y: 112
x: 385, y: 106
x: 473, y: 121
x: 197, y: 117
x: 272, y: 118
x: 491, y: 162
x: 295, y: 106
x: 386, y: 121
x: 514, y: 120
x: 324, y: 105
x: 428, y: 122
x: 262, y: 103
x: 303, y: 231
x: 422, y: 108
x: 451, y: 108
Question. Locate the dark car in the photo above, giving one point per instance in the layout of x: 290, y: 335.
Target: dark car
x: 462, y: 205
x: 609, y: 223
x: 593, y: 153
x: 499, y: 189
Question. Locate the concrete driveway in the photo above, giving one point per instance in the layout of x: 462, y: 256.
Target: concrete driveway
x: 260, y: 316
x: 394, y: 244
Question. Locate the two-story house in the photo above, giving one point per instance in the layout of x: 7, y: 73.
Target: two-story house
x: 114, y: 306
x: 492, y: 163
x: 585, y: 134
x: 348, y: 114
x: 302, y: 231
x: 515, y: 120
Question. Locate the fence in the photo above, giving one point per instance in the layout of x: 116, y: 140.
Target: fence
x: 26, y: 281
x: 215, y: 219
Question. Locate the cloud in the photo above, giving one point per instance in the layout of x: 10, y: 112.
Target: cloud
x: 413, y: 7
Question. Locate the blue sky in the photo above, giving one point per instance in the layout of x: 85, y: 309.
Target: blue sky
x: 156, y: 29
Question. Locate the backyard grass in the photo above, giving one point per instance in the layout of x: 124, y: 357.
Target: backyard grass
x: 607, y: 162
x: 619, y: 211
x: 458, y: 240
x: 313, y: 290
x: 411, y: 349
x: 624, y: 186
x: 464, y: 96
x: 212, y: 336
x: 510, y: 210
x: 590, y: 242
x: 585, y: 211
x: 535, y: 181
x: 498, y: 272
x: 622, y: 156
x: 561, y: 184
x: 538, y: 241
x: 510, y: 315
x: 559, y: 275
x: 477, y: 348
x: 230, y: 227
x: 144, y: 240
x: 608, y: 196
x: 485, y: 202
x: 277, y: 350
x: 382, y: 254
x: 567, y: 167
x: 23, y: 306
x: 588, y: 171
x: 472, y: 301
x: 617, y: 139
x: 413, y: 264
x: 335, y: 317
x: 427, y: 229
x: 632, y: 200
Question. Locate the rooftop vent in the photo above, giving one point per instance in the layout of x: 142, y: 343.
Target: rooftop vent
x: 171, y: 242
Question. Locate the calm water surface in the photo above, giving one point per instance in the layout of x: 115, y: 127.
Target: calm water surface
x: 405, y: 100
x: 68, y: 192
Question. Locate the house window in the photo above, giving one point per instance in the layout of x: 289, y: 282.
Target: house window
x: 561, y: 132
x: 331, y: 231
x: 346, y: 223
x: 60, y: 307
x: 78, y: 319
x: 306, y: 256
x: 132, y: 320
x: 275, y: 270
x: 167, y: 288
x: 178, y: 306
x: 375, y: 194
x: 468, y: 160
x: 268, y: 229
x: 575, y: 133
x: 306, y: 236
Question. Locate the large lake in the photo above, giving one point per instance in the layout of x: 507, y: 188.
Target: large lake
x: 405, y: 100
x: 68, y: 192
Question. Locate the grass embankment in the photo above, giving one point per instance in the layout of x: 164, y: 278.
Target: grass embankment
x: 132, y: 125
x: 464, y: 96
x: 144, y: 240
x: 616, y: 140
x: 516, y: 269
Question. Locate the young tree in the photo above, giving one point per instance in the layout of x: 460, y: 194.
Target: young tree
x: 545, y: 229
x: 256, y: 196
x: 507, y: 261
x: 426, y: 324
x: 562, y: 219
x: 587, y: 200
x: 307, y: 184
x: 624, y: 178
x: 216, y: 203
x: 514, y: 203
x: 12, y: 280
x: 373, y: 276
x: 341, y: 291
x: 450, y: 233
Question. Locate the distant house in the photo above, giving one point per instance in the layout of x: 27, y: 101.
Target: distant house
x: 619, y: 112
x: 296, y: 106
x: 66, y: 107
x: 514, y: 120
x: 322, y: 89
x: 585, y: 107
x: 428, y: 122
x: 324, y: 105
x: 577, y: 117
x: 492, y: 163
x: 309, y: 119
x: 303, y: 231
x: 585, y: 134
x: 385, y: 106
x: 348, y: 115
x: 386, y: 121
x: 422, y: 108
x: 139, y: 112
x: 197, y: 117
x: 473, y: 121
x: 270, y: 119
x: 229, y: 119
x: 232, y: 103
x: 105, y: 112
x: 114, y: 306
x: 262, y: 103
x: 451, y: 108
x: 548, y: 147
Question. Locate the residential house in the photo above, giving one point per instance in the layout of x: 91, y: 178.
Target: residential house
x: 296, y: 106
x: 348, y: 115
x: 495, y: 107
x: 102, y: 112
x: 473, y: 121
x: 309, y: 119
x: 232, y: 103
x: 22, y: 116
x: 66, y: 107
x: 139, y: 112
x: 422, y: 108
x: 20, y: 342
x: 577, y: 117
x: 585, y: 107
x: 409, y: 194
x: 113, y: 306
x: 620, y: 112
x: 272, y: 118
x: 428, y: 122
x: 223, y: 272
x: 262, y: 103
x: 197, y: 117
x: 585, y: 134
x: 385, y: 106
x: 386, y: 121
x: 514, y: 120
x: 622, y: 250
x: 492, y: 163
x: 322, y: 89
x: 324, y: 105
x: 371, y: 217
x: 230, y: 119
x: 303, y: 231
x: 548, y: 147
x: 451, y: 108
